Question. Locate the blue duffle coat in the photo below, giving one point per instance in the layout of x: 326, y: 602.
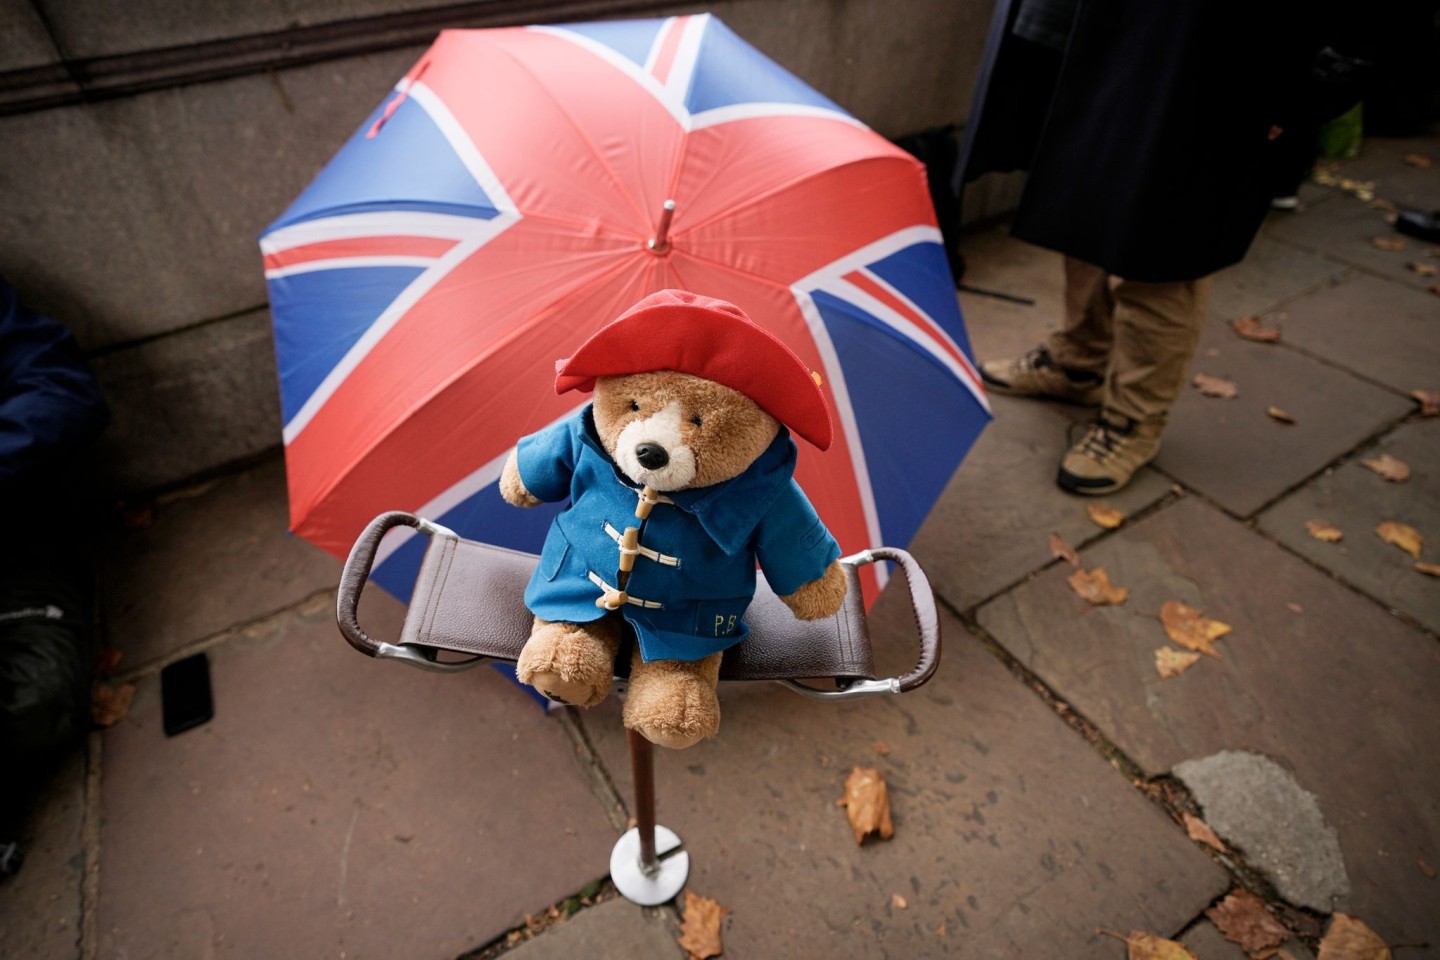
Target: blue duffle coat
x: 695, y: 576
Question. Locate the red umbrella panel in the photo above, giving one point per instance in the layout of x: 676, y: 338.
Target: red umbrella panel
x: 522, y: 187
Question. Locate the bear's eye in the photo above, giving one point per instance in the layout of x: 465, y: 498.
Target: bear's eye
x: 697, y: 420
x: 635, y: 407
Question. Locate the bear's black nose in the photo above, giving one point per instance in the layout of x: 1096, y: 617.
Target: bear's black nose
x: 652, y: 456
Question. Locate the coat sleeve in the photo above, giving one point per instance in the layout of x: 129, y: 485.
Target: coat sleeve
x: 547, y: 460
x: 50, y: 405
x: 792, y: 544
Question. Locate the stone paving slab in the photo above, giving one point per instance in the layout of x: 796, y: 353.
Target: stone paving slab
x: 1345, y: 230
x: 997, y: 262
x: 613, y: 930
x: 1381, y: 330
x: 1271, y: 273
x: 1338, y: 692
x: 1381, y: 162
x: 1208, y: 943
x: 991, y: 527
x: 217, y: 556
x: 1012, y: 836
x: 337, y: 806
x: 1356, y: 499
x: 1234, y: 452
x: 40, y: 906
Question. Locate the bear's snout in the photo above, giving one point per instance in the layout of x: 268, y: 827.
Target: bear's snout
x: 652, y: 452
x: 652, y: 456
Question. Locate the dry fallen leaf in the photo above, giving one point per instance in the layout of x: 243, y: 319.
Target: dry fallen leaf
x: 1215, y: 386
x: 1243, y: 919
x: 881, y: 747
x: 1350, y: 939
x: 1197, y: 829
x: 1324, y: 530
x: 1104, y: 516
x: 1189, y: 628
x: 700, y: 931
x: 897, y: 901
x: 1170, y: 662
x: 1294, y: 608
x: 1390, y: 206
x: 1250, y: 329
x: 1392, y: 469
x: 1425, y: 867
x: 1276, y: 413
x: 1429, y: 402
x: 1389, y: 243
x: 109, y: 704
x: 1059, y: 548
x: 1402, y: 535
x: 867, y: 804
x: 1147, y: 946
x: 1433, y: 569
x: 1423, y: 268
x: 1417, y: 160
x: 1094, y: 587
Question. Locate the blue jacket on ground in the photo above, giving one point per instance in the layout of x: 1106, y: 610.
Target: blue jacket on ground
x: 703, y: 544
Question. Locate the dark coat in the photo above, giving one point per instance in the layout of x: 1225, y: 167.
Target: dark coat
x: 1148, y: 138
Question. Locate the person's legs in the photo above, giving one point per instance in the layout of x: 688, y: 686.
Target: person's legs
x: 1071, y: 364
x: 1157, y: 328
x: 1083, y: 344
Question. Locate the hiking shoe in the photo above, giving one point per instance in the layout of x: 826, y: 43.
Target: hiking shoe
x: 1109, y: 454
x: 1036, y: 374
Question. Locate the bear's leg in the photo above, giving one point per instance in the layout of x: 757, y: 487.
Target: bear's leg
x: 571, y: 662
x: 673, y: 703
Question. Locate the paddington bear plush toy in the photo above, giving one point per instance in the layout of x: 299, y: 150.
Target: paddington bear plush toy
x: 679, y: 477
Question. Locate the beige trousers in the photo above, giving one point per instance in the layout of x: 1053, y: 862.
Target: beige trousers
x: 1139, y: 336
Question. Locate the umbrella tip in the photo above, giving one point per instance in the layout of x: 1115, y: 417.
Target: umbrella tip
x: 660, y: 243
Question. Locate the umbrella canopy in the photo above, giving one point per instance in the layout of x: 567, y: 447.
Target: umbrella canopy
x: 521, y: 188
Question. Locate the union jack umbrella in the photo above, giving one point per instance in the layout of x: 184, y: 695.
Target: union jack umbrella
x: 522, y: 187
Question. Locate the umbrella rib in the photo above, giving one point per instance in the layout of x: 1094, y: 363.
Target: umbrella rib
x: 579, y: 131
x: 464, y: 369
x: 781, y: 188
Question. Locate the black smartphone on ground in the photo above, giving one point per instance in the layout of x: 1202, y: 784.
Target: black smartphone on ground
x: 185, y: 700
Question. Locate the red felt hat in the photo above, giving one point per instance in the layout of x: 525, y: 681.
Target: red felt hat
x: 690, y: 333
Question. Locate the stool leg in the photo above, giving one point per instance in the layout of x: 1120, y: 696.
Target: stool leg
x: 647, y: 864
x: 642, y: 768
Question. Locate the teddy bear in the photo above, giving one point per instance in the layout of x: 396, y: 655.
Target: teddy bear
x: 679, y: 481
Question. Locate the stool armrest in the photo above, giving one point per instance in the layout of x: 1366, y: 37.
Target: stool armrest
x: 927, y: 626
x: 356, y: 574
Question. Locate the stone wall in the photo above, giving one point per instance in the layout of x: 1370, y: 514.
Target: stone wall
x: 131, y: 205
